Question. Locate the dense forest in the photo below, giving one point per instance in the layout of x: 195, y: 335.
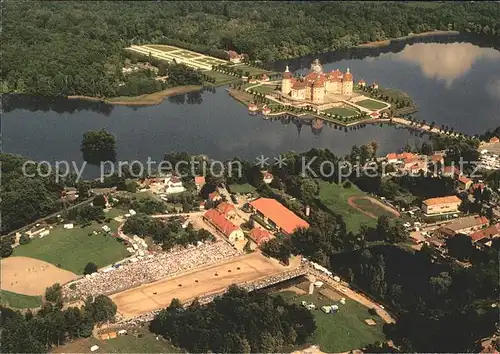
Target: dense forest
x: 236, y: 322
x: 72, y: 48
x: 52, y: 325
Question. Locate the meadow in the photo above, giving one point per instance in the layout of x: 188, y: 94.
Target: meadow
x: 19, y: 301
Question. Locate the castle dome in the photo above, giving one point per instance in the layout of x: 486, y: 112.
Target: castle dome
x: 316, y: 66
x: 348, y: 76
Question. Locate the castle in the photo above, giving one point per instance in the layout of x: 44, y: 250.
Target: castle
x: 316, y: 85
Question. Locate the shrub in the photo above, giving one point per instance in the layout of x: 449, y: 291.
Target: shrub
x: 90, y: 268
x: 24, y: 240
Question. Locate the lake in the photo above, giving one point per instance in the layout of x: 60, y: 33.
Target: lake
x: 453, y: 81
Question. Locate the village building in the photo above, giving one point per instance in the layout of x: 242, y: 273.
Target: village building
x: 464, y: 182
x: 267, y: 177
x: 214, y: 196
x: 259, y: 236
x: 277, y: 216
x: 464, y: 225
x: 451, y: 171
x: 199, y: 181
x: 223, y: 225
x: 234, y: 57
x: 494, y: 140
x: 172, y: 185
x: 227, y: 209
x: 316, y: 84
x: 441, y: 205
x: 486, y: 234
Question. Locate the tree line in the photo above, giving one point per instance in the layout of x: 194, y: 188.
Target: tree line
x: 76, y: 48
x: 52, y: 325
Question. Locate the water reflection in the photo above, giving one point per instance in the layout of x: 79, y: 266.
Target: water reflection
x: 445, y: 61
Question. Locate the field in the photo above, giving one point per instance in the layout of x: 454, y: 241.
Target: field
x: 252, y: 70
x: 335, y: 197
x: 372, y: 207
x: 73, y: 249
x: 371, y: 104
x: 346, y: 330
x: 201, y: 281
x: 31, y: 276
x: 265, y: 89
x: 342, y: 111
x: 122, y: 344
x: 242, y: 188
x: 19, y: 301
x: 163, y: 48
x: 221, y: 79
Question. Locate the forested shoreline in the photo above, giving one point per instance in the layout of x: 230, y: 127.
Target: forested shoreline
x: 77, y: 48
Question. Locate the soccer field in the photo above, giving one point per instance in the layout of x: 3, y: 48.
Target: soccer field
x: 73, y: 249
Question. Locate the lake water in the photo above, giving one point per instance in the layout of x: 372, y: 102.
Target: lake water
x: 454, y: 83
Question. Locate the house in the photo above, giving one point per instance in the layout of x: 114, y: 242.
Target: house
x: 494, y: 140
x: 436, y: 158
x: 451, y: 171
x: 214, y: 196
x: 464, y: 182
x: 374, y: 86
x: 173, y: 185
x: 259, y: 236
x: 227, y: 209
x: 267, y: 177
x: 276, y: 215
x: 234, y: 57
x: 464, y: 225
x: 488, y: 233
x: 264, y: 78
x: 441, y: 205
x: 392, y: 158
x: 199, y: 181
x: 223, y: 225
x: 361, y: 83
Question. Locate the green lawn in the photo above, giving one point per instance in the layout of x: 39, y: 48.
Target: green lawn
x: 74, y: 248
x: 187, y: 54
x: 122, y: 344
x: 371, y: 104
x: 344, y: 330
x: 335, y: 198
x: 19, y: 301
x: 242, y: 188
x: 163, y: 48
x: 253, y: 70
x: 370, y: 207
x: 265, y: 89
x: 342, y: 111
x: 221, y: 79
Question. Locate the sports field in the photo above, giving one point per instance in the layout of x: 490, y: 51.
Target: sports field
x: 343, y: 331
x: 335, y: 197
x: 201, y: 281
x: 242, y: 188
x: 371, y: 104
x: 73, y: 249
x: 31, y: 276
x: 19, y: 301
x: 373, y: 207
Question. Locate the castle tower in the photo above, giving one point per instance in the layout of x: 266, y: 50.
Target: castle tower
x: 286, y: 82
x: 318, y: 92
x: 316, y: 66
x: 347, y: 83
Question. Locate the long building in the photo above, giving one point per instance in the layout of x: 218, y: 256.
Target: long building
x: 441, y: 205
x: 277, y: 216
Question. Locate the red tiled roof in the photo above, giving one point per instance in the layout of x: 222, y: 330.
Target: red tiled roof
x: 267, y: 175
x: 494, y: 140
x: 213, y: 195
x: 299, y: 85
x: 199, y: 180
x: 392, y: 156
x: 478, y: 186
x: 464, y: 179
x: 442, y: 200
x: 259, y: 235
x: 220, y: 222
x: 284, y: 218
x: 233, y: 54
x: 407, y: 155
x: 287, y: 75
x: 225, y: 208
x: 437, y: 158
x: 264, y: 77
x: 410, y: 160
x: 485, y: 233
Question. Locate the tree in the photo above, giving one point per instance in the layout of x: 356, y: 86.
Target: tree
x: 460, y: 246
x: 99, y: 201
x: 90, y: 268
x: 24, y: 239
x: 98, y: 146
x: 5, y: 247
x: 101, y: 308
x: 54, y: 293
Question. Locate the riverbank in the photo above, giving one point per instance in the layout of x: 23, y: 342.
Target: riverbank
x: 386, y: 42
x: 149, y: 99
